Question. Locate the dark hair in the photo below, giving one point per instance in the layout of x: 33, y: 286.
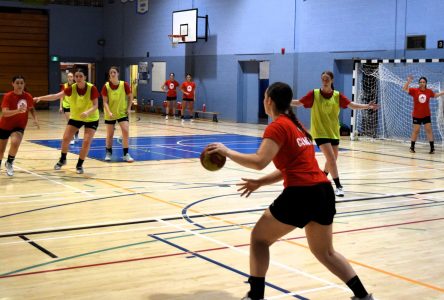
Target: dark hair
x: 17, y: 77
x: 188, y: 74
x: 80, y: 70
x: 330, y: 74
x: 423, y: 78
x: 281, y: 94
x: 115, y: 68
x: 172, y: 74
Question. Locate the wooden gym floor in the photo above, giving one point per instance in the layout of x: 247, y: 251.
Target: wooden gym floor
x: 167, y: 229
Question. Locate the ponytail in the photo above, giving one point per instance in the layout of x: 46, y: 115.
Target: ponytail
x: 298, y: 124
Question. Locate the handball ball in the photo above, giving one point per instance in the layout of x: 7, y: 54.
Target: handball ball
x: 212, y: 162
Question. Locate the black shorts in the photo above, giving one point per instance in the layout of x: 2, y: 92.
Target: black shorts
x: 112, y: 122
x: 172, y: 98
x: 187, y: 99
x: 93, y: 125
x: 420, y: 121
x: 65, y: 110
x: 333, y: 142
x: 5, y: 134
x: 298, y: 205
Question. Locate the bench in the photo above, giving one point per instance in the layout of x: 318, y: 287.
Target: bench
x: 197, y: 112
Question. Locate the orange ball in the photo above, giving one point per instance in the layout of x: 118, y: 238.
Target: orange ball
x: 212, y: 162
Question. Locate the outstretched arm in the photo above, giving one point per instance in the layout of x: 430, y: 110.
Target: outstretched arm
x: 296, y: 102
x: 370, y: 105
x: 438, y: 94
x: 50, y: 97
x: 406, y: 85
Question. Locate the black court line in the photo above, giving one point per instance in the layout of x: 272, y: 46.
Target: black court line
x: 49, y: 253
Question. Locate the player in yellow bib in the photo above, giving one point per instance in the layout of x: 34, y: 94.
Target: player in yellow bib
x: 117, y: 100
x: 326, y: 104
x: 83, y: 105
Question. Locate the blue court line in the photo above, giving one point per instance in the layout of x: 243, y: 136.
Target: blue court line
x: 222, y: 265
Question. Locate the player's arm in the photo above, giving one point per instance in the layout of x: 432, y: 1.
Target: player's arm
x: 106, y: 105
x: 257, y: 161
x: 50, y: 97
x: 130, y: 102
x: 370, y: 105
x: 61, y: 105
x: 34, y: 117
x: 296, y: 103
x: 406, y: 85
x: 6, y: 112
x: 247, y: 186
x: 438, y: 94
x: 95, y: 106
x: 164, y: 87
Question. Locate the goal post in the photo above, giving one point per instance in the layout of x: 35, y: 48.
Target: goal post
x: 382, y: 81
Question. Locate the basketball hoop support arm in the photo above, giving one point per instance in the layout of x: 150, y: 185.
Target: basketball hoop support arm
x: 206, y: 29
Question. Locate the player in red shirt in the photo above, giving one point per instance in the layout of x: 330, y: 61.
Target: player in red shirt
x: 170, y: 87
x: 188, y: 89
x: 421, y: 110
x: 307, y: 201
x: 15, y: 107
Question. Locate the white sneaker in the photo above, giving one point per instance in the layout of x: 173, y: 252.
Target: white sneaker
x: 339, y: 192
x: 108, y: 156
x: 79, y: 170
x: 72, y: 142
x: 166, y: 117
x: 128, y: 158
x: 9, y: 169
x: 59, y: 165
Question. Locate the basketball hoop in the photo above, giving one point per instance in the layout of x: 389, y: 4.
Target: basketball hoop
x: 175, y: 39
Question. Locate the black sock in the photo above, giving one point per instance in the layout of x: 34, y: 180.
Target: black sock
x: 80, y: 163
x: 109, y: 150
x: 257, y: 287
x: 325, y: 172
x: 10, y: 159
x: 432, y: 145
x: 63, y: 156
x: 337, y: 182
x: 356, y: 286
x: 125, y: 151
x: 412, y: 145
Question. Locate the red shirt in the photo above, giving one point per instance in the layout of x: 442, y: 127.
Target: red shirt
x: 115, y: 87
x: 308, y: 99
x: 81, y: 92
x: 421, y: 102
x: 190, y: 87
x: 296, y: 157
x: 12, y: 101
x: 171, y: 85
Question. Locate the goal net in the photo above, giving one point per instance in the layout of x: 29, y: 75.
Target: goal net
x: 382, y: 81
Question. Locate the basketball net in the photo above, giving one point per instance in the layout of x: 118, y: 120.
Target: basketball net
x: 175, y: 39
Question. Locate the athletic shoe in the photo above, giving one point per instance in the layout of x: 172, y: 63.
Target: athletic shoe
x: 412, y: 150
x: 72, y: 142
x: 127, y: 157
x: 59, y: 164
x: 432, y: 151
x: 79, y: 170
x: 9, y: 169
x: 166, y: 117
x: 339, y: 192
x: 368, y: 297
x: 108, y: 156
x: 248, y: 298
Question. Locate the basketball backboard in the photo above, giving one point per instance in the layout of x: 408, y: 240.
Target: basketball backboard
x: 185, y: 24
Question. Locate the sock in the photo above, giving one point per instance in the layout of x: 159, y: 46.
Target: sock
x: 412, y: 144
x: 257, y: 287
x: 432, y: 145
x: 63, y: 156
x: 357, y: 288
x: 125, y: 151
x: 325, y: 172
x: 10, y: 159
x: 109, y: 150
x: 337, y: 182
x: 80, y: 163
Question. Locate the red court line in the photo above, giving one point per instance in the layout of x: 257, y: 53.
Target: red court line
x: 243, y: 245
